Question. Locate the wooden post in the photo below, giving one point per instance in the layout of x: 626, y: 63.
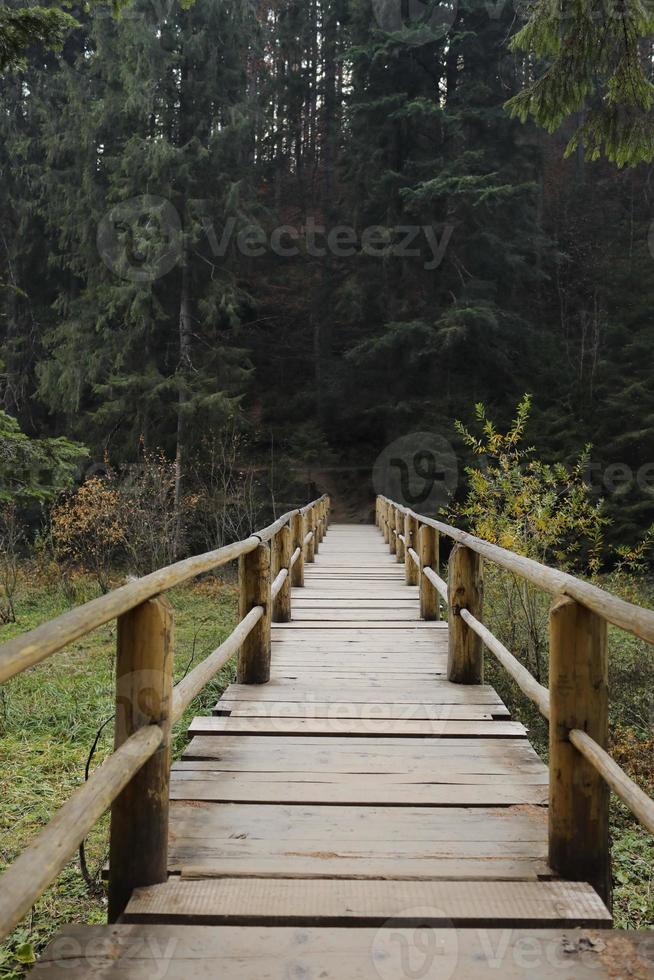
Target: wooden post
x: 385, y: 520
x: 282, y: 551
x: 310, y: 552
x: 579, y: 845
x: 392, y: 528
x: 298, y: 531
x: 411, y: 570
x: 428, y: 549
x: 316, y: 528
x: 138, y: 849
x: 254, y: 583
x: 465, y: 661
x: 400, y: 549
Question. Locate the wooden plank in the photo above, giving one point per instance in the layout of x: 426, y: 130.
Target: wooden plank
x: 381, y: 827
x: 285, y: 901
x: 351, y: 710
x: 150, y: 952
x: 318, y: 864
x: 355, y: 770
x: 390, y: 755
x: 239, y: 788
x: 364, y: 726
x: 329, y: 617
x: 351, y: 624
x: 436, y: 693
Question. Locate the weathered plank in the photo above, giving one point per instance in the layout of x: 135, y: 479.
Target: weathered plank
x: 366, y: 691
x: 367, y: 903
x: 240, y: 788
x: 371, y: 727
x: 352, y: 710
x: 145, y: 952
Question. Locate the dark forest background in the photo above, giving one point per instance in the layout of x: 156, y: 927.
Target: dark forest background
x: 238, y: 118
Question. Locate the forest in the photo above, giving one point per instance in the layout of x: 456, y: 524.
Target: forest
x: 316, y: 226
x: 252, y: 250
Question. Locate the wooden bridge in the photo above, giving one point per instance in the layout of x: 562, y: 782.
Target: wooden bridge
x: 360, y: 804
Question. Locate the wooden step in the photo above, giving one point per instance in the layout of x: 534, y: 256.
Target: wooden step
x: 360, y: 841
x: 351, y: 710
x: 284, y: 901
x: 153, y: 952
x: 223, y: 787
x: 367, y: 727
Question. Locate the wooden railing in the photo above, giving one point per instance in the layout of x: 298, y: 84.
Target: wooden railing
x: 134, y: 780
x: 576, y: 702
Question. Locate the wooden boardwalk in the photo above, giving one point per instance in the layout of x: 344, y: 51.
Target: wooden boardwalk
x: 360, y: 789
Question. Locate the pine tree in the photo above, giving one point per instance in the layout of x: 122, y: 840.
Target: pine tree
x: 598, y: 71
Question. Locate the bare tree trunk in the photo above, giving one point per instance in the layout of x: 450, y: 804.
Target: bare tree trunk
x: 183, y: 371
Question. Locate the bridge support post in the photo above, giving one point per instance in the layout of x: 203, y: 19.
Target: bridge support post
x: 281, y: 553
x: 465, y: 658
x: 392, y: 528
x: 254, y: 585
x: 298, y: 526
x: 429, y: 551
x: 400, y: 547
x: 138, y: 849
x: 411, y: 570
x: 310, y: 553
x: 386, y: 516
x: 579, y: 844
x: 317, y: 525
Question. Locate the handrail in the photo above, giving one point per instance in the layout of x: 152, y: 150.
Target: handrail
x: 194, y: 682
x: 145, y: 662
x: 28, y: 649
x: 280, y: 578
x: 582, y: 659
x: 628, y: 616
x: 439, y: 584
x: 525, y: 681
x: 27, y: 878
x: 629, y: 792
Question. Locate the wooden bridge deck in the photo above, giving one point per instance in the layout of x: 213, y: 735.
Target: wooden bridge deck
x: 360, y: 789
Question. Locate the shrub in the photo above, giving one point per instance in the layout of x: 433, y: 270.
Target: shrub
x: 543, y: 511
x: 89, y: 531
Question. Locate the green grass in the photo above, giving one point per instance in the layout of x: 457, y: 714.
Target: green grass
x: 49, y: 718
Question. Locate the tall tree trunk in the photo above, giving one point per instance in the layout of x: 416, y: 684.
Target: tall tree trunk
x: 183, y: 399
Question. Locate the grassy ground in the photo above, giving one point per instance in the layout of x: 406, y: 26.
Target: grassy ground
x: 49, y: 718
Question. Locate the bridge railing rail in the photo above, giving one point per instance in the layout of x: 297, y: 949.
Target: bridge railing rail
x: 576, y: 701
x: 135, y: 779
